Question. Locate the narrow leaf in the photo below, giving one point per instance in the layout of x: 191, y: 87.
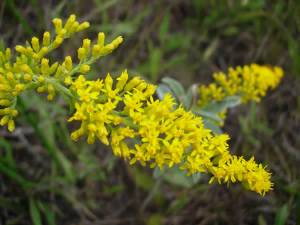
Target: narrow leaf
x: 35, y: 212
x: 175, y: 86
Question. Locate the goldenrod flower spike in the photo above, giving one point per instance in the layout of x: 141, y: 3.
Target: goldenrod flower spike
x: 124, y: 113
x: 153, y: 132
x: 249, y: 82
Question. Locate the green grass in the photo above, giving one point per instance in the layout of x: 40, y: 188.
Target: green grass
x: 48, y: 179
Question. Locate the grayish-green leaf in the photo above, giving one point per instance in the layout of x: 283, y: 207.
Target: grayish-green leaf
x: 218, y: 107
x: 161, y: 90
x: 212, y: 126
x: 175, y: 86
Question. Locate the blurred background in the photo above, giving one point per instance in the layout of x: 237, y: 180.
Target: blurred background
x: 45, y: 178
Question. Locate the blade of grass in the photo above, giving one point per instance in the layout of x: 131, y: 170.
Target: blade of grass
x: 34, y: 212
x: 8, y: 154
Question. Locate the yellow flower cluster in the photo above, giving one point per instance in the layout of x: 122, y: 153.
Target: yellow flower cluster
x: 249, y: 82
x: 124, y: 114
x: 10, y: 86
x: 156, y: 132
x: 252, y: 175
x: 32, y: 70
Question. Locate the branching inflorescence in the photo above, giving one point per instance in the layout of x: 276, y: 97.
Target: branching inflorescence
x: 124, y: 113
x: 248, y: 82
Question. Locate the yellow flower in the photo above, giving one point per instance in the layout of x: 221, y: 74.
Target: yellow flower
x: 249, y: 82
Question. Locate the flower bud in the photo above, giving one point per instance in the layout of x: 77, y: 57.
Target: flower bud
x: 45, y: 66
x: 91, y: 138
x: 57, y: 24
x: 20, y: 49
x: 117, y: 41
x: 142, y: 86
x: 81, y: 52
x: 86, y: 44
x: 20, y: 87
x: 10, y: 76
x: 92, y: 127
x: 50, y: 97
x: 27, y: 77
x: 101, y: 38
x: 83, y: 26
x: 68, y: 63
x: 7, y: 54
x: 42, y: 52
x: 26, y: 69
x: 41, y: 89
x: 73, y: 28
x: 57, y: 42
x: 46, y: 38
x: 35, y: 44
x: 122, y: 80
x: 4, y: 120
x: 5, y: 102
x: 70, y: 21
x: 11, y: 125
x: 68, y: 80
x: 53, y: 68
x: 96, y: 50
x: 41, y: 79
x: 108, y: 82
x: 132, y: 83
x: 84, y: 68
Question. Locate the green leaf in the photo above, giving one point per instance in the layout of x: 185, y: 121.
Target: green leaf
x: 282, y: 215
x: 175, y: 86
x: 164, y: 27
x: 142, y: 179
x: 35, y: 213
x: 214, y: 127
x: 161, y: 90
x: 9, y: 159
x: 188, y: 98
x: 206, y: 114
x: 177, y: 177
x: 155, y: 56
x: 218, y: 107
x: 50, y: 215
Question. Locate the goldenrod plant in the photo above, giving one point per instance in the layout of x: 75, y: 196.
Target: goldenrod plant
x: 125, y: 114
